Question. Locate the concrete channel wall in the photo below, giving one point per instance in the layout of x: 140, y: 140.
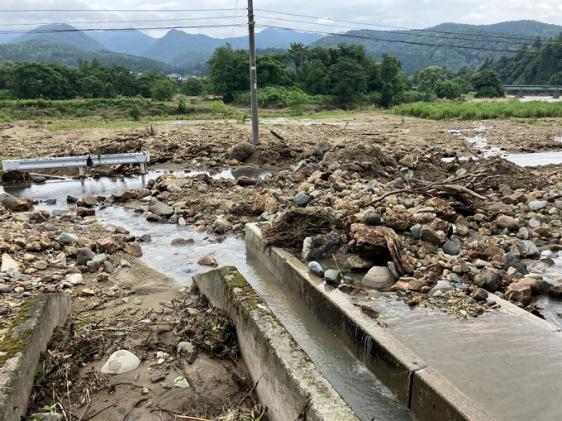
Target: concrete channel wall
x: 27, y: 338
x: 288, y: 382
x: 428, y: 395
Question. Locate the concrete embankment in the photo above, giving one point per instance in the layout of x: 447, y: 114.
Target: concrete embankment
x: 287, y: 381
x: 432, y: 390
x: 20, y: 350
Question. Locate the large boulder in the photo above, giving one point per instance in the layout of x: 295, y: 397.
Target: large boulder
x: 160, y: 208
x: 379, y: 277
x: 241, y: 151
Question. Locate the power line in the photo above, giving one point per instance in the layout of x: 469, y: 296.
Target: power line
x: 386, y: 32
x: 347, y: 35
x: 120, y: 21
x: 54, y: 31
x: 110, y: 10
x: 490, y: 35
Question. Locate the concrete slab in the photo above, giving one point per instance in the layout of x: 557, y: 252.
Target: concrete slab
x: 287, y: 381
x: 21, y: 348
x: 504, y: 365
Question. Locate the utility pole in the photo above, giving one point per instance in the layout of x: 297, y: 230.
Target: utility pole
x: 253, y: 73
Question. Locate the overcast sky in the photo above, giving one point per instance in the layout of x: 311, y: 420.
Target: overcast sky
x: 402, y: 13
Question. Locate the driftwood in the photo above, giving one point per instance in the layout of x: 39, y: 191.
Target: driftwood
x: 378, y: 239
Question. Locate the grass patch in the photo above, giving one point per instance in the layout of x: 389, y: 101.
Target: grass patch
x: 480, y: 110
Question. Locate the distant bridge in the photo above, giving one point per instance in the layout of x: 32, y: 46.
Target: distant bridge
x: 522, y: 90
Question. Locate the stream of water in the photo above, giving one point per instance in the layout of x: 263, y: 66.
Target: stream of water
x: 365, y: 394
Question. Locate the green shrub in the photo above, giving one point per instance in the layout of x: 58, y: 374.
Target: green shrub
x: 183, y: 108
x: 276, y: 97
x: 135, y: 112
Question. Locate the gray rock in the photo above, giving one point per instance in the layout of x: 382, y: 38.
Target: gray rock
x: 356, y: 263
x: 120, y: 362
x: 68, y: 238
x: 538, y: 204
x: 432, y: 236
x: 371, y: 218
x: 316, y: 268
x: 534, y: 223
x: 241, y: 151
x: 415, y: 230
x: 514, y: 261
x: 524, y: 233
x: 379, y: 277
x: 160, y: 208
x: 527, y: 248
x: 332, y: 277
x: 186, y: 348
x: 319, y: 246
x: 84, y: 255
x: 440, y: 288
x: 108, y: 267
x: 321, y: 150
x: 74, y: 279
x: 451, y: 247
x: 4, y: 288
x: 96, y: 263
x: 489, y: 280
x: 302, y: 199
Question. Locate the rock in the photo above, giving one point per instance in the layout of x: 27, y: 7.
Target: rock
x: 415, y: 230
x: 245, y: 181
x: 178, y: 242
x: 451, y: 247
x: 160, y: 208
x: 480, y: 294
x: 4, y: 288
x: 83, y: 256
x: 186, y: 347
x: 371, y: 218
x: 241, y: 151
x: 181, y: 382
x: 519, y: 292
x: 508, y: 222
x: 320, y: 246
x: 108, y: 267
x: 85, y: 212
x: 134, y: 249
x: 15, y: 204
x: 120, y: 362
x: 514, y: 261
x: 538, y: 204
x: 320, y: 150
x: 74, y: 279
x: 9, y: 264
x: 408, y: 160
x: 302, y: 199
x: 208, y: 261
x: 332, y: 277
x: 40, y: 265
x: 432, y: 236
x: 442, y: 208
x: 378, y: 277
x: 107, y: 245
x: 489, y: 280
x: 68, y: 238
x: 88, y: 200
x: 440, y: 288
x: 398, y: 218
x: 71, y: 199
x: 356, y: 263
x: 527, y: 248
x: 316, y: 268
x: 151, y: 217
x: 96, y: 262
x: 124, y: 264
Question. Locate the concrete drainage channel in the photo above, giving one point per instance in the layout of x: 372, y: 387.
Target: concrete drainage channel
x: 20, y: 351
x: 287, y: 381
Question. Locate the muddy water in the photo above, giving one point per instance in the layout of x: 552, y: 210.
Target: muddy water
x: 358, y: 386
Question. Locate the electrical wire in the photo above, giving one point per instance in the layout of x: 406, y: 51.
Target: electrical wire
x: 55, y: 31
x: 389, y: 32
x: 486, y: 35
x: 110, y: 10
x: 363, y: 37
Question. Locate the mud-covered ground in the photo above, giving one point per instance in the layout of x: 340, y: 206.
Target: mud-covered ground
x: 366, y: 201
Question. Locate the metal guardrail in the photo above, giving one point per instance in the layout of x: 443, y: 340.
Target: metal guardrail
x: 81, y: 162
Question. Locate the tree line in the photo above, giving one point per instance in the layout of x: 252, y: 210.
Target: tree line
x: 342, y: 75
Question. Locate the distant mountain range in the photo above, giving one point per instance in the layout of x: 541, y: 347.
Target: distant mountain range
x: 180, y: 52
x: 481, y: 40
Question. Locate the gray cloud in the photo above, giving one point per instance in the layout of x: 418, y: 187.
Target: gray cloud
x: 404, y: 13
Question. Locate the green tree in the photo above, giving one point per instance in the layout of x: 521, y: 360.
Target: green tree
x: 163, y: 90
x: 427, y: 78
x: 40, y: 80
x: 447, y: 89
x: 348, y: 79
x: 193, y: 86
x: 488, y: 84
x: 228, y: 72
x: 314, y: 78
x: 392, y: 80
